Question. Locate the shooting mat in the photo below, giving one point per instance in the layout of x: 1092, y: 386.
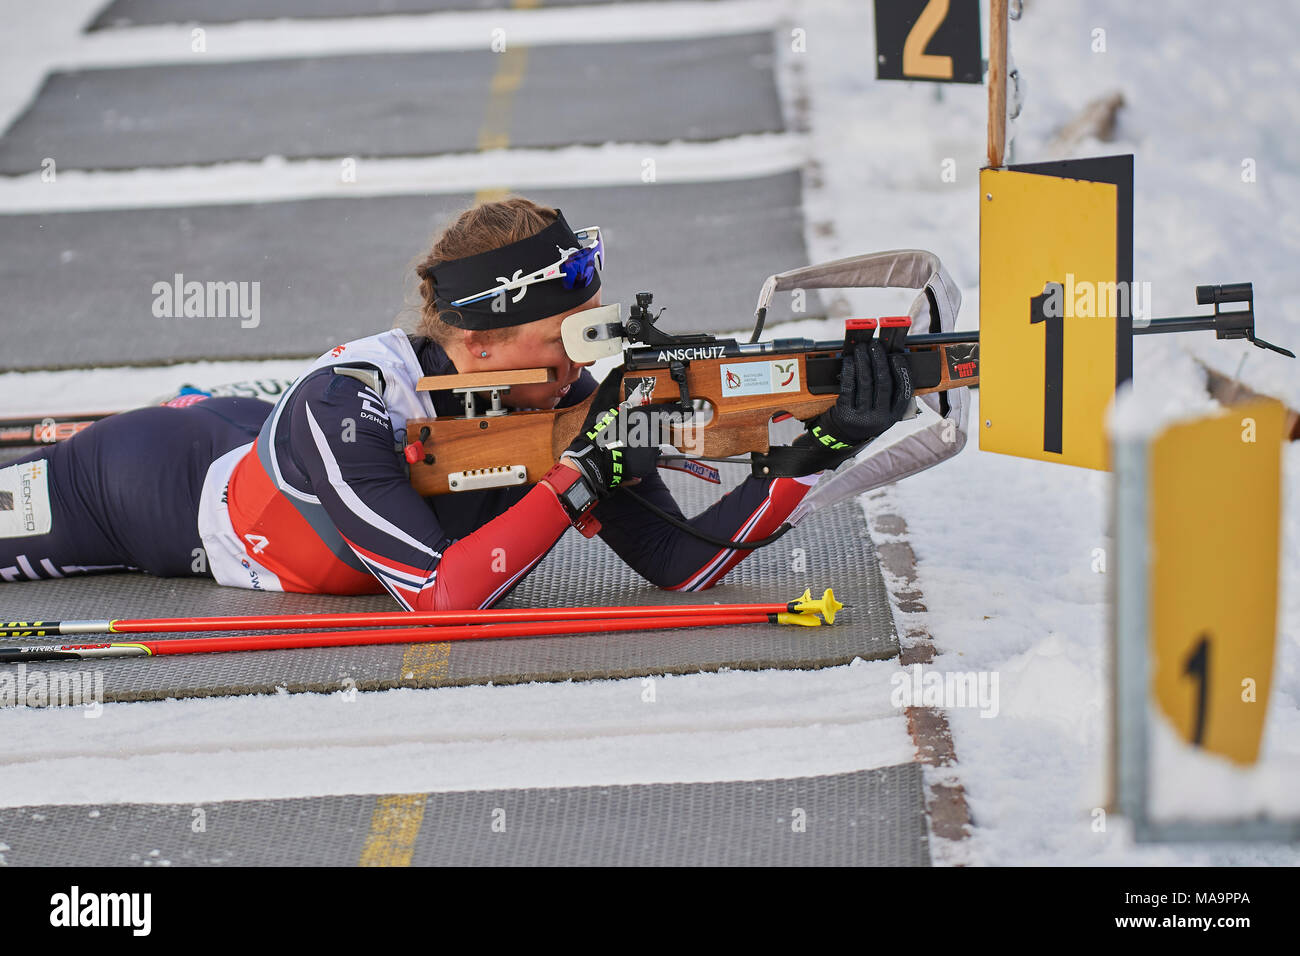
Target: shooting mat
x: 836, y: 552
x: 866, y: 818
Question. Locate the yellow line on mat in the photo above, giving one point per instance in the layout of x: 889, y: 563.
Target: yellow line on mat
x: 394, y: 825
x: 426, y: 665
x: 495, y: 132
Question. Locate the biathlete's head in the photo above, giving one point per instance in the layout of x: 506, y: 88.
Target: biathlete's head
x: 498, y: 283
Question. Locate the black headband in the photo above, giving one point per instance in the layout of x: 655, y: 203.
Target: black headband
x: 462, y: 278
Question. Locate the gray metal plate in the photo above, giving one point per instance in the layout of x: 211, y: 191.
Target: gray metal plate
x: 837, y: 550
x: 867, y: 818
x: 402, y: 104
x: 337, y: 269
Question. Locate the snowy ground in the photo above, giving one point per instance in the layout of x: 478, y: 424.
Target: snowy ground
x: 1005, y: 547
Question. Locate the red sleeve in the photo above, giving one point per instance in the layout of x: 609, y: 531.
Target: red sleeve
x: 359, y: 480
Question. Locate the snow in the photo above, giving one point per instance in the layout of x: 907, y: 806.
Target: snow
x: 1223, y: 790
x: 115, y: 389
x: 450, y: 30
x: 1010, y: 553
x: 702, y: 727
x: 1005, y: 547
x: 275, y: 179
x: 1143, y: 408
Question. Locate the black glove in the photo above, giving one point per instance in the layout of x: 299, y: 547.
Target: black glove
x: 875, y: 391
x: 616, y: 443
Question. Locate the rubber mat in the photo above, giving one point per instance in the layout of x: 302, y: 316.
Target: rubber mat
x: 360, y: 256
x: 866, y: 818
x: 831, y: 548
x: 130, y: 13
x: 414, y: 104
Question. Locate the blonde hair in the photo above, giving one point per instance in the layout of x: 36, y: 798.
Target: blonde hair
x: 488, y: 225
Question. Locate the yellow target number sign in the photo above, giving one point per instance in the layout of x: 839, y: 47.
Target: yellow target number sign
x: 1055, y: 314
x: 1214, y: 500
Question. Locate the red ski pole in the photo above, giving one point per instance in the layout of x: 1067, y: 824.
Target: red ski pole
x: 826, y: 606
x: 415, y: 635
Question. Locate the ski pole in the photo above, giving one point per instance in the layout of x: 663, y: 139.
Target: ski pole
x: 826, y: 606
x: 33, y: 432
x: 412, y: 635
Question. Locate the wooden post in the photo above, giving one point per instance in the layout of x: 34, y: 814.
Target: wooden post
x: 997, y: 81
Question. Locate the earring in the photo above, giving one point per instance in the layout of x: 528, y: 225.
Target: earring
x: 482, y: 355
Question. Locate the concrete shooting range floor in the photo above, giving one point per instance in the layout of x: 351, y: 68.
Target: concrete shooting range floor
x: 78, y: 291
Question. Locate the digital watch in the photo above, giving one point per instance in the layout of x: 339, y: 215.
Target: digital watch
x: 576, y: 497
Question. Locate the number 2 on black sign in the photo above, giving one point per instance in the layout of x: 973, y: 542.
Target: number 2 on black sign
x: 916, y: 62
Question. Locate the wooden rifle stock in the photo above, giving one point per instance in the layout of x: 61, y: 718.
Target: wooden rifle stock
x: 466, y: 453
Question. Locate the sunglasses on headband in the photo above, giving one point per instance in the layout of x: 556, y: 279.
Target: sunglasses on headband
x: 575, y: 267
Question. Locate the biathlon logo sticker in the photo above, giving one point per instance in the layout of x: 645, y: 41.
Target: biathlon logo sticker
x: 25, y: 500
x: 760, y: 378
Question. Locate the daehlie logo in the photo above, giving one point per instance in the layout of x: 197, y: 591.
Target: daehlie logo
x: 370, y: 410
x: 208, y: 300
x: 74, y: 908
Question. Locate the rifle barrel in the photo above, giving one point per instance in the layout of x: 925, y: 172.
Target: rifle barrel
x: 1179, y: 323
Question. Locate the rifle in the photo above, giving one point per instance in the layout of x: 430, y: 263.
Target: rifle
x: 726, y: 393
x: 722, y: 394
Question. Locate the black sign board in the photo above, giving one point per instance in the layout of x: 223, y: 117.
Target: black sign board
x: 933, y: 40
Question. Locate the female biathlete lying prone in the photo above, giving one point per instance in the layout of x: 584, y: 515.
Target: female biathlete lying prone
x: 312, y: 495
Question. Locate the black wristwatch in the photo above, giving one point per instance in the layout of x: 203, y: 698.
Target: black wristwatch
x: 576, y: 496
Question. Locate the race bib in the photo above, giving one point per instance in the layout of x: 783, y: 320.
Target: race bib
x: 25, y: 500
